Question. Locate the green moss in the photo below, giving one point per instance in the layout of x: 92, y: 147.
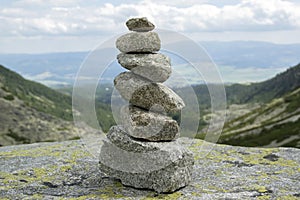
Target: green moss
x: 66, y: 168
x: 173, y: 196
x: 37, y: 197
x: 57, y: 150
x: 52, y: 150
x: 91, y: 196
x: 261, y: 189
x: 196, y: 194
x: 256, y: 158
x: 110, y: 192
x: 118, y: 184
x: 7, y: 178
x: 195, y: 148
x: 47, y: 173
x: 201, y: 189
x: 288, y: 197
x: 267, y: 197
x: 216, y: 189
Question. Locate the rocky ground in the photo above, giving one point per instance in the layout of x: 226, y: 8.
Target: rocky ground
x: 65, y: 170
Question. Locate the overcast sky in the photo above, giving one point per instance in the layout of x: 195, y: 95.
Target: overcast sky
x: 36, y: 26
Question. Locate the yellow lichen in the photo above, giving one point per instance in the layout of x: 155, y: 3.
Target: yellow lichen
x: 173, y: 196
x: 288, y: 197
x: 91, y: 196
x: 109, y: 192
x: 264, y: 197
x: 261, y: 189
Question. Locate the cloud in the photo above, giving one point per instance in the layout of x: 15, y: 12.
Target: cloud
x: 56, y: 18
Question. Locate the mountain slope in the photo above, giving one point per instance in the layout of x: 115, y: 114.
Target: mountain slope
x: 36, y: 95
x: 273, y: 124
x: 267, y: 90
x: 260, y: 114
x: 31, y: 112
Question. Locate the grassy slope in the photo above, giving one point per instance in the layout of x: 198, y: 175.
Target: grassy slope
x: 36, y: 95
x: 279, y: 121
x: 32, y: 112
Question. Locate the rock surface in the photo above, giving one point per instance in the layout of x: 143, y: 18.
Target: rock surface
x: 65, y: 170
x: 122, y: 140
x: 138, y: 42
x: 142, y: 93
x: 163, y: 170
x: 139, y: 24
x: 155, y: 67
x: 148, y: 125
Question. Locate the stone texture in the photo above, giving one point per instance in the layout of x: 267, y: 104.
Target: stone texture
x: 66, y: 170
x: 138, y: 42
x: 137, y: 164
x: 155, y: 67
x: 139, y: 24
x: 122, y: 140
x: 166, y: 179
x: 148, y: 125
x: 142, y: 93
x: 119, y: 137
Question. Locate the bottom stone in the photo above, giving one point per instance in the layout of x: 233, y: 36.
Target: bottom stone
x: 163, y: 167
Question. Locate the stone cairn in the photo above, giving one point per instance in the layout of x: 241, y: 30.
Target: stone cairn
x: 143, y: 152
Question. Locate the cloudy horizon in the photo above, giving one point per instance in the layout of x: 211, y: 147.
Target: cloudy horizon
x: 37, y: 26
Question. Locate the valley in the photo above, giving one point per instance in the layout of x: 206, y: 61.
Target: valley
x: 265, y: 114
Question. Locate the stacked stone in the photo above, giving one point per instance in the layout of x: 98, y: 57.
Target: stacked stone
x: 143, y: 151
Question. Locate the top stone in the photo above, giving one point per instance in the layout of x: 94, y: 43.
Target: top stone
x: 139, y: 25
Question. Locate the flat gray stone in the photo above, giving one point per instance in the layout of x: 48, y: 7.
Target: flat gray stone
x: 66, y: 170
x: 143, y: 124
x: 145, y: 94
x: 138, y: 42
x: 139, y: 24
x: 164, y: 170
x: 155, y: 67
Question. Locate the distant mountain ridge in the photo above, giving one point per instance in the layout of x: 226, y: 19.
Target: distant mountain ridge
x: 264, y: 92
x: 60, y: 68
x: 267, y: 90
x: 253, y: 53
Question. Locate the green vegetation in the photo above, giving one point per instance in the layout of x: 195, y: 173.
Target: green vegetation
x: 17, y: 138
x: 105, y: 116
x: 285, y: 85
x: 9, y: 97
x: 279, y: 123
x: 293, y: 101
x: 36, y: 95
x: 277, y: 133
